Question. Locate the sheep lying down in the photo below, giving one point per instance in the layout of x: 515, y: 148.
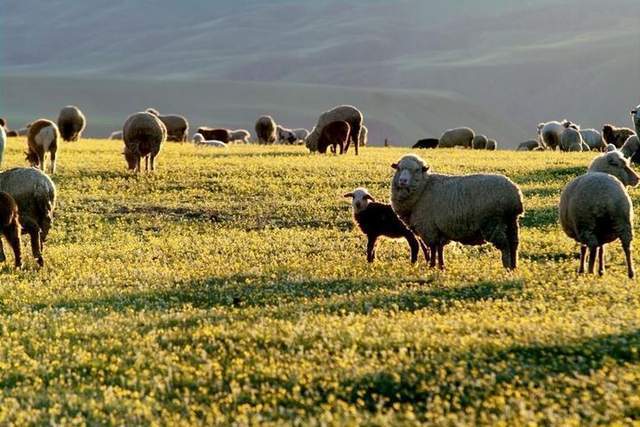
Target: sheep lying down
x: 198, y: 139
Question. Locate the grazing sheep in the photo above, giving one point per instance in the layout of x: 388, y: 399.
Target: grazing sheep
x: 285, y: 135
x: 364, y: 136
x: 551, y: 132
x: 71, y: 123
x: 479, y: 142
x: 378, y: 219
x: 143, y: 135
x: 198, y: 139
x: 457, y: 137
x: 35, y: 195
x: 529, y: 145
x: 10, y: 227
x: 595, y: 209
x: 346, y: 113
x: 42, y: 137
x: 630, y: 147
x: 492, y: 145
x: 3, y: 143
x: 177, y: 126
x: 615, y: 135
x: 593, y: 139
x: 217, y: 134
x: 266, y: 130
x: 240, y: 135
x: 470, y: 209
x: 571, y: 140
x: 334, y: 134
x: 427, y: 143
x: 117, y: 135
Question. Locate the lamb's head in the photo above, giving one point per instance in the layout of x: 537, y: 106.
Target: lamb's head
x: 360, y: 199
x: 411, y: 171
x: 614, y: 163
x: 198, y: 138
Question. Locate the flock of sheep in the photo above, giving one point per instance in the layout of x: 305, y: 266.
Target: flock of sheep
x: 428, y: 209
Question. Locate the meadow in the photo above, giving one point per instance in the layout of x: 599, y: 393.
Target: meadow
x: 231, y: 287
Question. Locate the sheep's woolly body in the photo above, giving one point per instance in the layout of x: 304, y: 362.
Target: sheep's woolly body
x: 492, y: 145
x: 3, y: 143
x: 616, y: 135
x: 240, y: 135
x: 462, y: 136
x: 346, y: 113
x: 630, y: 147
x: 571, y: 140
x: 529, y: 145
x: 177, y: 125
x: 217, y: 134
x: 143, y: 135
x: 117, y: 135
x: 364, y: 136
x: 427, y: 143
x: 71, y: 123
x: 479, y: 142
x: 551, y: 132
x: 266, y: 130
x: 615, y: 164
x: 593, y: 139
x: 42, y: 138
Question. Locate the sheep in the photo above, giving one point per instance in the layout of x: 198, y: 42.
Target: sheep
x: 3, y: 143
x: 42, y: 137
x: 13, y: 133
x: 461, y: 136
x: 198, y: 139
x: 615, y: 135
x: 364, y: 136
x: 10, y: 227
x: 217, y: 134
x: 479, y: 142
x: 346, y: 113
x: 22, y: 131
x: 427, y: 143
x: 529, y: 145
x: 470, y: 209
x: 609, y: 148
x: 571, y: 140
x: 635, y: 114
x: 71, y: 123
x: 240, y: 135
x: 551, y: 132
x: 378, y: 219
x: 492, y: 145
x: 593, y: 139
x: 143, y: 134
x: 35, y: 195
x: 285, y: 135
x: 117, y: 135
x: 177, y: 126
x: 334, y: 134
x: 265, y: 128
x: 595, y: 209
x: 630, y: 147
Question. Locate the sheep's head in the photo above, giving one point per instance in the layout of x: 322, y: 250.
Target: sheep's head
x: 411, y: 171
x: 32, y: 158
x: 636, y: 117
x: 540, y: 126
x: 360, y: 199
x: 131, y: 156
x: 3, y: 122
x: 610, y: 147
x: 198, y: 138
x: 615, y: 164
x: 607, y: 133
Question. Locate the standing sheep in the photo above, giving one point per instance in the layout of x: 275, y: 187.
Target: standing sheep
x: 470, y: 209
x: 635, y: 114
x: 285, y: 135
x: 143, y: 135
x: 615, y: 135
x: 3, y: 143
x: 240, y: 135
x: 177, y: 126
x: 217, y: 134
x: 266, y: 130
x: 336, y: 135
x: 492, y: 145
x: 42, y: 137
x: 345, y: 113
x: 35, y: 195
x: 479, y: 142
x: 551, y: 132
x: 571, y: 140
x: 593, y: 139
x: 378, y: 219
x: 426, y: 143
x: 364, y: 136
x: 10, y: 227
x: 457, y: 137
x: 595, y: 209
x: 71, y: 123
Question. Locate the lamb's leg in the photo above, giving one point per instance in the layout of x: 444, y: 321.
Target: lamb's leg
x: 153, y: 163
x: 583, y: 255
x: 12, y: 233
x: 36, y: 245
x: 413, y: 244
x: 341, y: 146
x: 434, y: 255
x: 371, y: 248
x: 354, y: 135
x: 626, y: 246
x: 601, y: 260
x: 441, y: 257
x: 592, y: 258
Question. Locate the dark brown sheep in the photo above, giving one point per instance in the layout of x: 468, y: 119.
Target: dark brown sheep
x: 266, y: 131
x: 143, y: 135
x: 217, y: 134
x: 615, y: 135
x: 10, y: 227
x: 335, y: 134
x: 427, y: 143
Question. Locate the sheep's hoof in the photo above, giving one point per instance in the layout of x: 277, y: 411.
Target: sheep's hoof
x: 40, y: 261
x: 19, y: 265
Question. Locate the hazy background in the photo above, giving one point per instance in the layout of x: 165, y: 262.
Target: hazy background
x: 415, y: 67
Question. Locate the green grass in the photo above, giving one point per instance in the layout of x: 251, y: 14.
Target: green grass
x: 231, y: 287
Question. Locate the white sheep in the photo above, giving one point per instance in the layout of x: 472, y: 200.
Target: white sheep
x: 462, y: 136
x: 470, y: 209
x: 529, y: 145
x: 593, y: 139
x: 630, y: 146
x: 240, y: 135
x: 198, y: 139
x: 571, y: 140
x: 364, y: 136
x: 595, y: 209
x: 551, y: 132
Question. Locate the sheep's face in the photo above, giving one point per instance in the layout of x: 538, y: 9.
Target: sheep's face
x: 32, y: 158
x: 131, y: 158
x: 360, y: 199
x: 620, y: 167
x: 410, y: 173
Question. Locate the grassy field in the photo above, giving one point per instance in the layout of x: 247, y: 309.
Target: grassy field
x: 231, y: 287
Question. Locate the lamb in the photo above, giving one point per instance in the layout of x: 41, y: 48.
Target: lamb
x: 364, y: 136
x: 198, y: 139
x: 427, y: 143
x: 457, y: 137
x: 117, y: 135
x: 240, y: 135
x: 492, y: 145
x: 593, y: 139
x: 42, y: 137
x: 595, y: 209
x: 35, y: 195
x: 346, y: 113
x: 177, y: 126
x: 10, y: 227
x: 551, y: 132
x: 265, y: 128
x: 571, y: 140
x: 470, y: 209
x: 71, y: 123
x: 479, y: 142
x: 615, y: 135
x: 143, y: 135
x: 3, y: 143
x: 334, y: 134
x: 214, y: 134
x: 378, y: 219
x: 529, y: 145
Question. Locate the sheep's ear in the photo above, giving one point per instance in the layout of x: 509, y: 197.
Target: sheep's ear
x: 425, y: 168
x: 394, y: 166
x: 347, y: 195
x: 370, y: 197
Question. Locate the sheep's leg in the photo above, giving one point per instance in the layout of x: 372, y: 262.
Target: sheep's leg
x: 341, y: 145
x: 52, y: 162
x: 425, y: 251
x: 626, y: 246
x: 434, y: 255
x: 354, y: 136
x: 583, y: 255
x: 601, y: 260
x: 152, y: 162
x: 413, y: 244
x: 514, y: 242
x: 592, y: 258
x: 12, y: 233
x: 3, y: 257
x: 441, y: 257
x: 146, y: 163
x: 371, y: 248
x: 36, y: 247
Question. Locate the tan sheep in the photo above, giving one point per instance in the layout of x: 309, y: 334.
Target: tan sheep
x: 457, y: 137
x: 177, y: 125
x: 42, y: 137
x: 345, y: 113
